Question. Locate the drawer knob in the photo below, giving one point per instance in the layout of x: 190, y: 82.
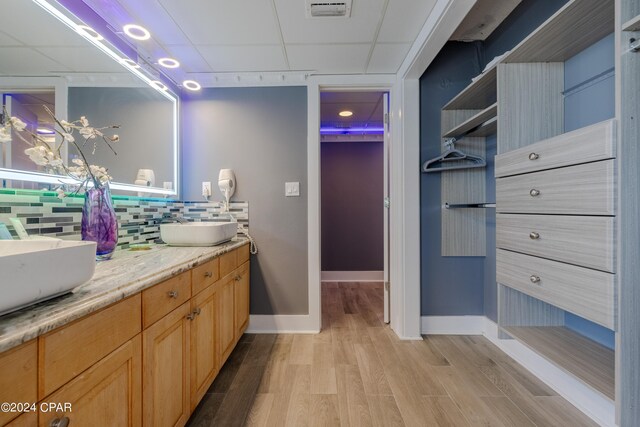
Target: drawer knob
x: 208, y: 274
x: 534, y: 236
x: 191, y: 316
x: 173, y: 294
x: 534, y: 192
x: 534, y: 156
x: 238, y: 278
x: 59, y: 422
x: 197, y: 311
x: 534, y: 279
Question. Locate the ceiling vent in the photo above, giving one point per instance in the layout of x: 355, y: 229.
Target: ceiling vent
x: 323, y: 9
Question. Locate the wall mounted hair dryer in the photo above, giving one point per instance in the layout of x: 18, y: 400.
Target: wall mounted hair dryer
x: 227, y: 185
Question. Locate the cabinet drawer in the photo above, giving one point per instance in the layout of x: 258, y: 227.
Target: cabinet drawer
x: 68, y: 351
x: 582, y: 291
x: 584, y: 145
x: 582, y: 240
x: 228, y: 262
x: 579, y: 190
x: 243, y: 254
x: 18, y: 377
x: 165, y: 297
x: 204, y: 275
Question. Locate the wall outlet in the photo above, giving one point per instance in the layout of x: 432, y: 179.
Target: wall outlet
x: 292, y: 189
x: 206, y: 189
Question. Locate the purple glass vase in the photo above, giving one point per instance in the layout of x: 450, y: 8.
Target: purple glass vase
x: 99, y: 221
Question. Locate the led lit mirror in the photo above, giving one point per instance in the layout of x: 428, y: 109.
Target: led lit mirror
x: 52, y: 69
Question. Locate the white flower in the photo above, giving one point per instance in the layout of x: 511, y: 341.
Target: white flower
x: 38, y: 155
x: 61, y: 193
x: 84, y: 122
x: 17, y: 124
x: 88, y: 132
x: 5, y: 135
x: 78, y: 162
x: 68, y: 137
x: 114, y: 138
x: 68, y: 127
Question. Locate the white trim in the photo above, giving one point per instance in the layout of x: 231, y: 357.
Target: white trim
x: 281, y: 324
x: 453, y: 325
x: 593, y: 404
x: 352, y: 276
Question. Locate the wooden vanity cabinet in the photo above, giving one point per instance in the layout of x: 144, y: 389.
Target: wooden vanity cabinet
x: 109, y: 393
x: 241, y: 300
x: 18, y: 377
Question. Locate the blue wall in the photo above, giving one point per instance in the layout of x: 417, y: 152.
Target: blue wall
x: 450, y: 285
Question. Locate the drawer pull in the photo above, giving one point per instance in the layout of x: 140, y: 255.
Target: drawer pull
x: 191, y: 316
x: 197, y: 311
x: 534, y: 279
x: 208, y: 274
x: 534, y: 192
x: 534, y: 156
x: 172, y: 294
x: 238, y: 278
x: 534, y: 236
x: 59, y: 422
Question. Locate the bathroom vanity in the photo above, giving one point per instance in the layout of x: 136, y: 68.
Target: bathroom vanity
x: 139, y: 344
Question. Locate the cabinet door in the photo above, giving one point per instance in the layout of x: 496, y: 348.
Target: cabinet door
x: 29, y: 419
x: 18, y: 377
x: 241, y: 300
x: 107, y: 394
x: 226, y: 327
x: 166, y: 400
x: 204, y: 352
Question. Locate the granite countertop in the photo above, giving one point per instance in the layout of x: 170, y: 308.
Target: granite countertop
x: 126, y: 274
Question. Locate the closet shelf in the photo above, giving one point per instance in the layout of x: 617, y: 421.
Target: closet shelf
x: 479, y: 94
x: 632, y: 24
x: 469, y: 205
x: 474, y: 122
x: 591, y: 362
x: 576, y: 26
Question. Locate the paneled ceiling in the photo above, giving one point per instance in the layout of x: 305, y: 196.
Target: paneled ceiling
x: 367, y: 109
x: 217, y: 36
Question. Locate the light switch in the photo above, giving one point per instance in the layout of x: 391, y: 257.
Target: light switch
x: 292, y: 189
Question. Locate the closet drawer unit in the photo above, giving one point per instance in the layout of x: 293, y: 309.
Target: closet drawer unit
x: 584, y: 145
x: 587, y: 241
x: 582, y: 291
x: 587, y: 189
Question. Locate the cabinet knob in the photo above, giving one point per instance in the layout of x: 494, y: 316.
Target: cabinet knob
x: 534, y: 236
x: 208, y: 274
x: 238, y: 278
x: 59, y: 422
x: 534, y: 156
x: 534, y: 192
x: 534, y: 279
x: 191, y: 316
x: 172, y: 294
x: 197, y: 311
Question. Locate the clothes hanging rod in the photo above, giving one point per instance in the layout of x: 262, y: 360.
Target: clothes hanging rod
x: 469, y: 205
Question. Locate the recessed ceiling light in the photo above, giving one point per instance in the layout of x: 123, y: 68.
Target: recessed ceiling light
x: 88, y: 31
x: 136, y: 32
x: 191, y: 85
x: 345, y: 113
x: 130, y: 63
x: 168, y: 63
x: 158, y: 84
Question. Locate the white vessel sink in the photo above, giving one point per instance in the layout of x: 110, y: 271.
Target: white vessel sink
x: 36, y: 270
x: 198, y: 233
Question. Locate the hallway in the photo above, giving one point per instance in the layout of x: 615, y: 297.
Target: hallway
x: 357, y: 373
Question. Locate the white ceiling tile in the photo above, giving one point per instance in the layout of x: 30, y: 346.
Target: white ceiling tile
x: 83, y: 59
x: 404, y: 20
x: 244, y: 58
x: 359, y: 28
x: 190, y: 58
x: 387, y: 58
x: 23, y: 61
x: 28, y: 23
x: 6, y: 40
x: 208, y: 22
x: 336, y: 58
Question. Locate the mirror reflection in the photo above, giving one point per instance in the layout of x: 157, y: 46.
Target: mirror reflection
x: 46, y: 66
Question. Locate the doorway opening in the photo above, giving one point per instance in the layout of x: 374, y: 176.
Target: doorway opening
x: 354, y: 219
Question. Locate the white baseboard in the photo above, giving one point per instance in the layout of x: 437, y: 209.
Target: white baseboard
x: 597, y: 407
x: 452, y: 325
x: 281, y: 324
x: 352, y: 276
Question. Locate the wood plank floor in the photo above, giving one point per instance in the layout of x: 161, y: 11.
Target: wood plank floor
x: 358, y: 373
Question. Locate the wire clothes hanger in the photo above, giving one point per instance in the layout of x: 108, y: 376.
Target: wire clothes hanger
x: 462, y: 160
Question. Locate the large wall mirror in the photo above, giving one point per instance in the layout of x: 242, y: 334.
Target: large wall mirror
x: 48, y: 65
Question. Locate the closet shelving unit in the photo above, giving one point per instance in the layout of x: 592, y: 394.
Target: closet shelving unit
x: 530, y: 105
x: 632, y: 24
x: 481, y: 124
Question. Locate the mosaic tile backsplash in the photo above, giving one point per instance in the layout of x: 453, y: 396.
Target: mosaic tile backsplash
x: 43, y: 213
